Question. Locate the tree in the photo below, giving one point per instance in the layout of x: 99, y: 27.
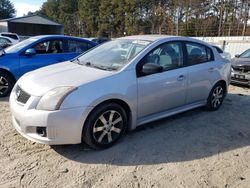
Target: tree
x: 68, y: 14
x: 89, y: 16
x: 106, y: 18
x: 135, y: 21
x: 51, y: 9
x: 246, y: 9
x: 7, y: 9
x: 115, y: 18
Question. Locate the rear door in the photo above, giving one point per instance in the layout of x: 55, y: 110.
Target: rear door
x: 48, y: 52
x: 201, y: 71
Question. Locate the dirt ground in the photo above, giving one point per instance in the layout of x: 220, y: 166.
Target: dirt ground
x: 193, y: 149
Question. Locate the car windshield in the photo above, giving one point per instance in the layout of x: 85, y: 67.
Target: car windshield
x: 112, y: 55
x: 246, y: 54
x: 15, y: 48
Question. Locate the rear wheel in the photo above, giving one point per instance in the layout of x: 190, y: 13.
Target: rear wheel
x: 216, y: 97
x: 105, y: 126
x: 6, y: 84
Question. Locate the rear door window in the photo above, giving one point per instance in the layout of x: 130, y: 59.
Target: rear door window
x: 75, y: 46
x: 198, y: 53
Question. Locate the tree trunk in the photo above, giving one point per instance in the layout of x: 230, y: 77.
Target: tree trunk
x: 221, y: 18
x: 245, y: 18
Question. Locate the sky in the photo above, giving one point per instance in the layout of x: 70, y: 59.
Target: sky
x: 24, y: 6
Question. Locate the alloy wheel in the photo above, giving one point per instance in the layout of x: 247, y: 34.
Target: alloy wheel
x: 217, y: 96
x: 108, y: 127
x: 4, y: 85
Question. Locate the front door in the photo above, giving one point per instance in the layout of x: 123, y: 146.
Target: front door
x: 166, y: 90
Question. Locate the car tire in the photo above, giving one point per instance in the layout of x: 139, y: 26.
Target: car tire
x: 105, y: 126
x: 216, y: 97
x: 6, y: 84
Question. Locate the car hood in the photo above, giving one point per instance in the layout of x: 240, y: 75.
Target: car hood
x: 240, y: 61
x: 40, y: 81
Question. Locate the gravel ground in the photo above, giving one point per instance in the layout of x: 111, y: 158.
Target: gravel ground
x: 192, y: 149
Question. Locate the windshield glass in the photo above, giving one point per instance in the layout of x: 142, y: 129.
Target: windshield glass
x: 113, y: 55
x: 246, y: 54
x: 15, y: 48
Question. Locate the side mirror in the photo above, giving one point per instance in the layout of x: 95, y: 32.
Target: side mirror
x: 151, y: 68
x: 30, y: 51
x: 237, y: 55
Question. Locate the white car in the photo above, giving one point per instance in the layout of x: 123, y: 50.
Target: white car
x: 96, y: 97
x: 13, y: 37
x: 5, y: 42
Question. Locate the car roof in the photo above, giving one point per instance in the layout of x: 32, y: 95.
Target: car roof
x: 8, y: 33
x: 147, y: 37
x: 4, y: 37
x: 153, y: 38
x: 61, y: 36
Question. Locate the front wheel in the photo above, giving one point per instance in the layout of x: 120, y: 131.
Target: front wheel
x: 105, y: 126
x: 216, y: 97
x: 6, y: 84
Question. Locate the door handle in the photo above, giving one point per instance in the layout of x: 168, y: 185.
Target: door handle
x: 211, y: 69
x: 181, y: 78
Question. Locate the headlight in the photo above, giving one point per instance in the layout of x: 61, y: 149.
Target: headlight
x: 53, y: 99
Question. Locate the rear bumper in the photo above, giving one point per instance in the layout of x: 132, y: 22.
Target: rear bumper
x: 62, y: 126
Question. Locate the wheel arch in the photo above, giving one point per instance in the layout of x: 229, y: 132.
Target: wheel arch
x: 120, y: 102
x: 224, y: 83
x: 9, y: 73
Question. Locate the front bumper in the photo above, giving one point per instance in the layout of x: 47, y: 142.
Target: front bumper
x: 245, y: 81
x: 62, y: 126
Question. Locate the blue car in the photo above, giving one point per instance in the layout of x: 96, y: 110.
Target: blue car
x: 37, y: 52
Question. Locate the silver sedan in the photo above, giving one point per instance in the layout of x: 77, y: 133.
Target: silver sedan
x: 116, y: 87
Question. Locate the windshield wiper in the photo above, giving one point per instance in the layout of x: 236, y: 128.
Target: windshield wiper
x: 77, y: 60
x: 88, y: 64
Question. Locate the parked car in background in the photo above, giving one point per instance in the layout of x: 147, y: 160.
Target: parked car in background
x: 37, y: 52
x: 241, y: 69
x: 223, y: 54
x: 96, y: 97
x: 12, y: 36
x: 5, y: 42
